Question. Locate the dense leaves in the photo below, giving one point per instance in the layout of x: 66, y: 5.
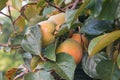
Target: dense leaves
x: 108, y: 70
x: 64, y: 66
x: 97, y: 20
x: 94, y: 26
x: 89, y: 64
x: 110, y: 10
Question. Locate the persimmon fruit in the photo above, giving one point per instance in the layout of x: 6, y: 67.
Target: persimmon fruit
x: 71, y: 47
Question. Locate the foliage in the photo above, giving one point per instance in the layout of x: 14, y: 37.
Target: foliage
x: 97, y: 20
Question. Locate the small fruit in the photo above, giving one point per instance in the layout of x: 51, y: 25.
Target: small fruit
x: 71, y: 47
x: 58, y: 18
x: 47, y: 29
x: 81, y: 39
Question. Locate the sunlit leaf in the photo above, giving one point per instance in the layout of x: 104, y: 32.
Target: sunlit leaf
x: 110, y: 9
x: 50, y: 52
x: 94, y: 26
x: 17, y: 4
x: 89, y: 64
x: 30, y: 11
x: 20, y: 23
x: 108, y: 70
x: 102, y: 41
x: 118, y: 61
x: 32, y: 42
x: 2, y: 4
x: 64, y: 66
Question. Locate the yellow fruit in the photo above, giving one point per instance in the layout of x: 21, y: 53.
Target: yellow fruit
x: 81, y: 39
x: 58, y: 18
x: 71, y: 47
x: 47, y: 29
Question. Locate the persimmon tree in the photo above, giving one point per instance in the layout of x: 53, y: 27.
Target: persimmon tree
x: 59, y: 38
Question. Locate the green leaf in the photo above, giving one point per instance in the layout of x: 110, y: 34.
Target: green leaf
x: 41, y: 3
x: 62, y: 30
x: 64, y: 66
x: 89, y: 64
x: 72, y: 15
x: 35, y: 61
x: 110, y: 10
x: 17, y: 4
x: 36, y: 20
x: 58, y: 2
x: 2, y: 4
x: 118, y: 61
x: 31, y: 76
x: 39, y: 75
x: 32, y: 42
x: 50, y: 52
x: 48, y: 10
x: 30, y: 11
x: 94, y: 26
x: 20, y: 23
x: 102, y: 41
x: 95, y: 7
x: 108, y: 70
x: 27, y: 57
x: 17, y: 39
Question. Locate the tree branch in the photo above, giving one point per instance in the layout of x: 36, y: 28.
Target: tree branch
x: 54, y: 6
x: 11, y: 19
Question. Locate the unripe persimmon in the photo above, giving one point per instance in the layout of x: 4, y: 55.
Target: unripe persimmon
x: 81, y: 39
x: 58, y: 18
x: 71, y: 47
x: 47, y: 29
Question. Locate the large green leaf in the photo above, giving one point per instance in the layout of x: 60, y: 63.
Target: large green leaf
x: 39, y: 75
x: 32, y: 42
x: 64, y: 66
x: 118, y: 61
x: 108, y: 70
x: 102, y: 41
x: 94, y: 26
x: 2, y: 4
x: 89, y: 64
x: 50, y: 52
x: 110, y: 9
x: 95, y: 7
